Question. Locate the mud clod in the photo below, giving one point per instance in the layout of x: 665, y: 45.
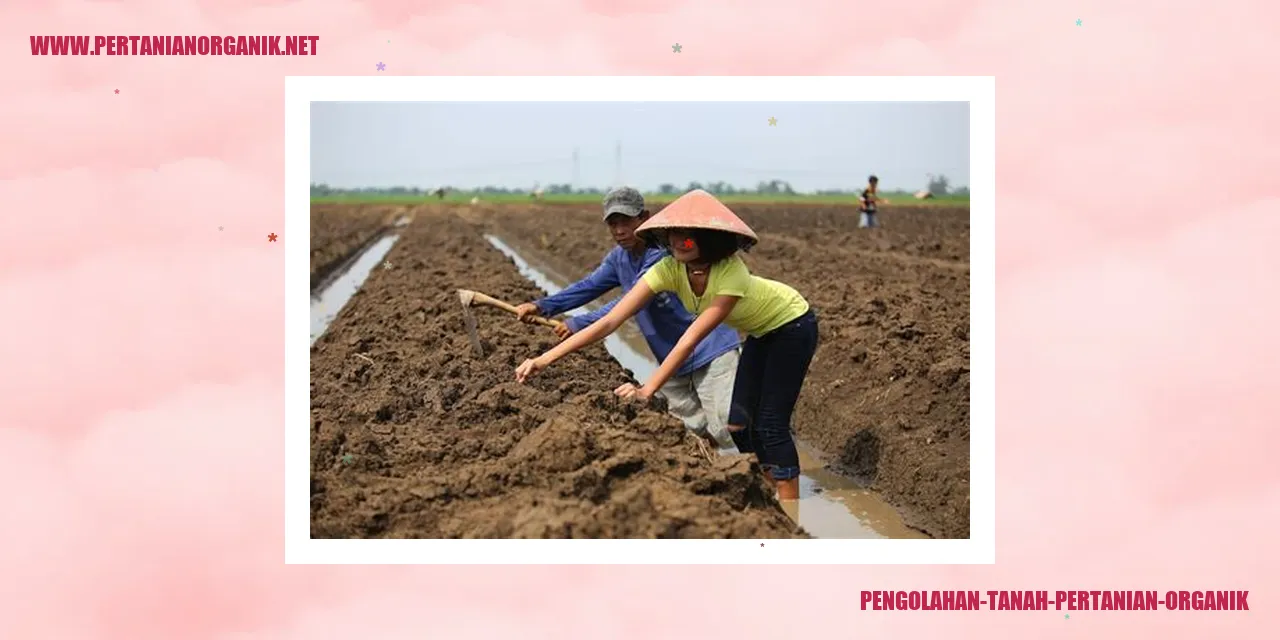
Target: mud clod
x: 861, y: 456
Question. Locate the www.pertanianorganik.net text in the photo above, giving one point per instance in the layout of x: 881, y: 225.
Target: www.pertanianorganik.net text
x: 174, y: 45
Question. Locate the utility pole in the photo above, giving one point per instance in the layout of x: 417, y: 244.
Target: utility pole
x: 617, y: 167
x: 575, y: 169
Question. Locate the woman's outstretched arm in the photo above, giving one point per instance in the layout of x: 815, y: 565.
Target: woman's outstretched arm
x: 716, y: 312
x: 628, y: 306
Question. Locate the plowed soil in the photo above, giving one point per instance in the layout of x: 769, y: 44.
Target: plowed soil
x: 412, y: 436
x: 338, y: 231
x: 887, y: 397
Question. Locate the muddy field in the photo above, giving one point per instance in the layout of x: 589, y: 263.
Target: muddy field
x: 412, y: 436
x: 338, y: 231
x: 887, y: 397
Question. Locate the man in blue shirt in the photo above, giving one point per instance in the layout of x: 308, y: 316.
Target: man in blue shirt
x: 702, y: 389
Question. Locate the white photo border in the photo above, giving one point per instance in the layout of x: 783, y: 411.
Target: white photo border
x: 301, y: 91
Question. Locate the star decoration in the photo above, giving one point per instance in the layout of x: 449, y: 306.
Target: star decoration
x: 117, y: 91
x: 762, y: 544
x: 386, y: 265
x: 271, y: 237
x: 382, y: 67
x: 219, y: 227
x: 773, y: 122
x: 1078, y: 22
x: 1068, y: 616
x: 676, y: 47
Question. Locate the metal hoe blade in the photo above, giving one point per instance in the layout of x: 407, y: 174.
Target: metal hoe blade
x: 469, y: 321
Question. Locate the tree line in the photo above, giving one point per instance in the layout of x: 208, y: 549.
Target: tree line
x: 938, y: 185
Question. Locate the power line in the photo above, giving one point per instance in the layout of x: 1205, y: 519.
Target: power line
x: 576, y: 159
x: 675, y: 169
x: 575, y: 168
x: 492, y: 167
x: 617, y: 165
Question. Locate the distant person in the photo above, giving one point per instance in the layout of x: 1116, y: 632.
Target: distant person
x: 710, y: 279
x: 700, y: 392
x: 867, y: 202
x: 439, y: 193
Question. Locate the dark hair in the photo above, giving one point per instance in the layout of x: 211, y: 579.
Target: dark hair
x: 873, y: 179
x: 713, y: 245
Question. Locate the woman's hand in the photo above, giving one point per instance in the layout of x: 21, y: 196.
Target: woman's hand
x: 529, y: 367
x: 631, y: 392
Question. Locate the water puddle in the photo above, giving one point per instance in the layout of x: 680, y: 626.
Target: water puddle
x: 329, y: 299
x: 830, y: 505
x: 828, y: 499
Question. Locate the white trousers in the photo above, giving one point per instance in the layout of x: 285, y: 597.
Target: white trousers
x: 701, y: 399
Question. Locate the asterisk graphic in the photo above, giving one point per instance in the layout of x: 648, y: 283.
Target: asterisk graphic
x: 271, y: 237
x: 386, y: 265
x: 381, y: 67
x: 676, y: 47
x: 773, y: 122
x: 1078, y: 23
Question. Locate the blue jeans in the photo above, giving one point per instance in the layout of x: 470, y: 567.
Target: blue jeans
x: 868, y: 219
x: 771, y: 371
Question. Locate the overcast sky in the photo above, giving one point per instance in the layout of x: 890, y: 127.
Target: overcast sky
x: 515, y: 145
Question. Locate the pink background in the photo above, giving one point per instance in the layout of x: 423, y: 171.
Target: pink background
x: 140, y: 348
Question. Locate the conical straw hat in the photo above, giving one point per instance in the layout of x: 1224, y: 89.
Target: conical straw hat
x: 699, y: 210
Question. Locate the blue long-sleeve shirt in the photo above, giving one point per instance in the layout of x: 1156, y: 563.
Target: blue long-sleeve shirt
x: 662, y: 321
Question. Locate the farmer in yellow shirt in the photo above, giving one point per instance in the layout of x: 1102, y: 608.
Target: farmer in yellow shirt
x: 867, y: 202
x: 706, y: 273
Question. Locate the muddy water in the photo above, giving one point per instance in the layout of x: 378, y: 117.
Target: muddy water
x: 830, y: 505
x: 333, y: 294
x: 328, y: 300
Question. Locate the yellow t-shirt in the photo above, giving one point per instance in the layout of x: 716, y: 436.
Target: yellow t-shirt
x: 764, y: 306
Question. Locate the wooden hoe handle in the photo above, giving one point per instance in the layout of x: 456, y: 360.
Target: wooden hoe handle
x: 481, y: 298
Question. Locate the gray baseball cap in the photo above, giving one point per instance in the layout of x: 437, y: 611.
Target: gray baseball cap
x: 625, y: 200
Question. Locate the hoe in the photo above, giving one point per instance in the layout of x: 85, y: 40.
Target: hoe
x: 470, y: 298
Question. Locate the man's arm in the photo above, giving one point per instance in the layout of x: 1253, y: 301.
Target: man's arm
x: 586, y: 319
x: 598, y: 283
x: 577, y: 323
x: 630, y: 304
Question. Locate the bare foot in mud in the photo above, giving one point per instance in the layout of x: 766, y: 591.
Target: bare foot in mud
x: 792, y: 509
